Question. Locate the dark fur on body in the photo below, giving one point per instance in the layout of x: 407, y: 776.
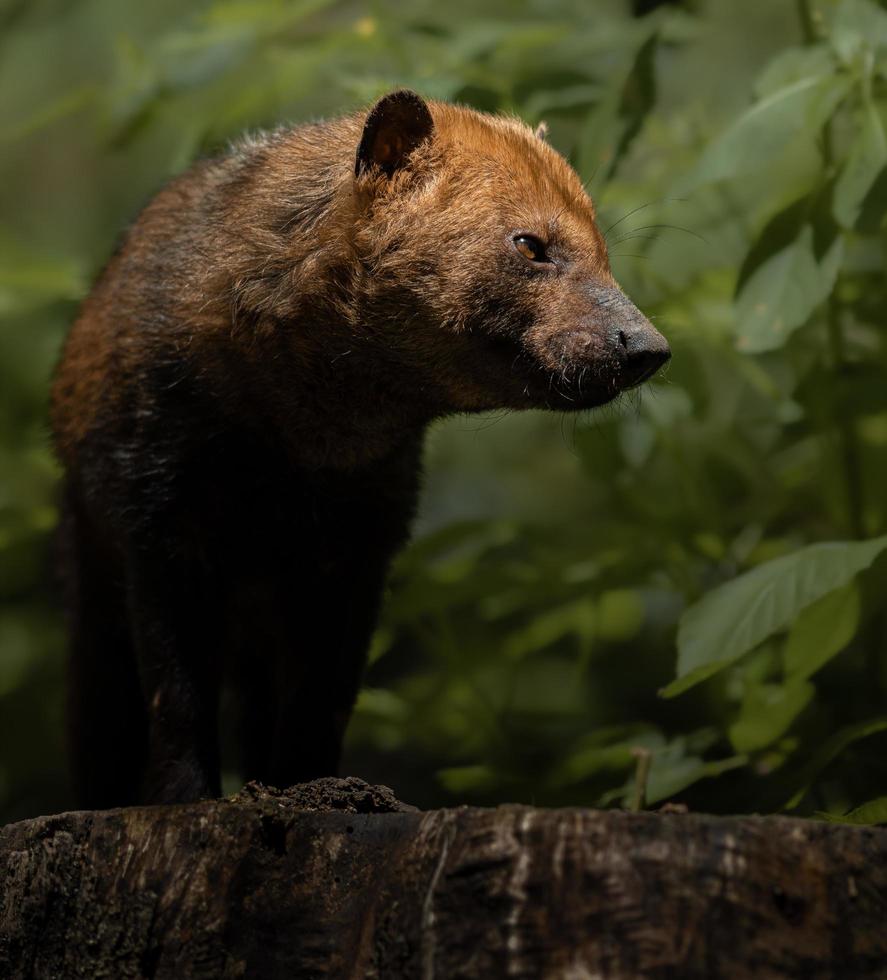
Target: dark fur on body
x: 240, y: 410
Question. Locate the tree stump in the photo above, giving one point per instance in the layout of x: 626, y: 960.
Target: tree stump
x: 336, y: 879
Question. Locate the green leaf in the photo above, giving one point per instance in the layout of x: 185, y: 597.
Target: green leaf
x: 68, y: 104
x: 858, y: 25
x: 673, y: 770
x: 794, y: 65
x: 783, y: 291
x: 380, y: 644
x: 590, y: 760
x: 545, y: 101
x: 771, y: 126
x: 737, y: 616
x: 573, y: 618
x: 767, y: 713
x: 620, y: 615
x: 694, y: 677
x: 381, y: 703
x: 28, y: 282
x: 611, y: 127
x: 638, y: 96
x: 822, y: 631
x: 465, y: 779
x: 20, y: 651
x: 865, y: 161
x: 778, y: 233
x: 830, y: 751
x: 868, y: 814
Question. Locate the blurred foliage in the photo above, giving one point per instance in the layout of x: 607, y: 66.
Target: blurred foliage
x: 698, y: 572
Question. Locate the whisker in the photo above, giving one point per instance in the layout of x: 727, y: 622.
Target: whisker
x: 641, y: 207
x: 624, y: 217
x: 561, y: 423
x: 490, y: 421
x: 671, y: 228
x: 630, y: 236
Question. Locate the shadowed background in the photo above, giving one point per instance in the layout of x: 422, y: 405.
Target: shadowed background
x: 737, y: 155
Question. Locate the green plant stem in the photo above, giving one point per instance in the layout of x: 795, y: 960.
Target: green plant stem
x: 847, y: 437
x: 808, y: 26
x: 641, y: 776
x: 849, y: 444
x: 872, y: 637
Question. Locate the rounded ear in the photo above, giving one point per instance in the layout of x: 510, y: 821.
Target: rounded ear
x: 542, y: 130
x: 394, y: 127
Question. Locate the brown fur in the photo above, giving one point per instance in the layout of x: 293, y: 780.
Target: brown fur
x: 275, y: 291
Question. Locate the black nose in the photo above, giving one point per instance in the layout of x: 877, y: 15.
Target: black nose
x: 637, y: 347
x: 644, y: 350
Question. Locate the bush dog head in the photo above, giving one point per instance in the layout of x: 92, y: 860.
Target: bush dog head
x: 481, y: 233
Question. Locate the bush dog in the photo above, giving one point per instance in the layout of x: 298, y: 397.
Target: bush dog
x: 240, y: 410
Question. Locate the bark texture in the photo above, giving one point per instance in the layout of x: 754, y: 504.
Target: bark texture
x: 337, y: 879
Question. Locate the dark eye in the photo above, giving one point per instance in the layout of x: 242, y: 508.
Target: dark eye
x: 530, y: 248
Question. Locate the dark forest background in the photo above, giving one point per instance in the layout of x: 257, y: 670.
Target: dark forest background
x: 698, y: 572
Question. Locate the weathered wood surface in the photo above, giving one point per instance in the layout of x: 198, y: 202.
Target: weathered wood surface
x: 336, y: 879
